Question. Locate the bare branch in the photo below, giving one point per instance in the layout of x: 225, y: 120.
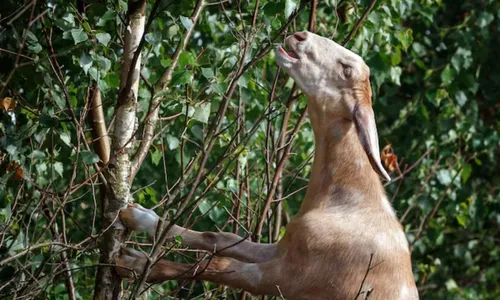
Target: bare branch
x: 160, y: 88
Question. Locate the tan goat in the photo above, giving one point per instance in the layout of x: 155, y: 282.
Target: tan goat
x: 345, y: 242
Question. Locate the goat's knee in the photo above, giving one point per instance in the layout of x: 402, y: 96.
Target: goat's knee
x: 139, y: 219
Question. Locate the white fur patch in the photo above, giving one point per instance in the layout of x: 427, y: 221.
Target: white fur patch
x: 405, y: 292
x: 392, y: 240
x: 387, y: 207
x: 402, y: 241
x: 146, y: 220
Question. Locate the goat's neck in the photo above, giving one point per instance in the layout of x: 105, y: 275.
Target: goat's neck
x: 341, y: 168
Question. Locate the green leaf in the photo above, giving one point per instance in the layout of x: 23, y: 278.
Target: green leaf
x: 204, y: 207
x: 447, y: 75
x: 41, y: 168
x: 26, y: 130
x: 86, y: 27
x: 104, y: 63
x: 173, y: 142
x: 419, y: 49
x: 395, y: 73
x: 69, y: 18
x: 451, y: 285
x: 182, y: 78
x: 65, y: 138
x: 462, y: 59
x: 424, y: 112
x: 276, y: 23
x: 153, y: 38
x: 172, y: 31
x: 466, y: 171
x: 94, y: 73
x: 85, y: 62
x: 32, y: 42
x: 484, y: 19
x: 156, y: 156
x: 396, y: 57
x: 37, y: 154
x: 461, y: 98
x: 462, y: 220
x: 186, y: 58
x: 79, y: 35
x: 113, y: 80
x: 165, y: 62
x: 202, y: 112
x: 103, y: 38
x: 186, y: 22
x: 290, y: 6
x: 440, y: 95
x: 444, y: 176
x: 58, y: 168
x: 243, y: 81
x: 207, y: 73
x: 178, y: 240
x: 108, y: 16
x: 197, y: 132
x: 89, y: 157
x: 406, y: 39
x: 12, y: 150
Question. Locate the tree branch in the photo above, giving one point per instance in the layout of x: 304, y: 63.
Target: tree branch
x: 159, y: 90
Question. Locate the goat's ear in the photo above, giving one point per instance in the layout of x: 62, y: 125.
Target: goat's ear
x: 364, y: 119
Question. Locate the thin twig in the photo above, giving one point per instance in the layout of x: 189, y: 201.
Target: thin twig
x: 368, y: 269
x: 359, y: 22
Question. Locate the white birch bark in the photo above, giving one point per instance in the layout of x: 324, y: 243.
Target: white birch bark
x: 108, y: 283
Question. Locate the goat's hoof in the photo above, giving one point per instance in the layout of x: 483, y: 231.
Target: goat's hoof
x: 139, y: 219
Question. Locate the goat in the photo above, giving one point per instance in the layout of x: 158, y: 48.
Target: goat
x: 345, y: 242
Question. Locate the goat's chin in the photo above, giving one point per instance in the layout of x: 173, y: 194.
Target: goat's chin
x: 284, y: 61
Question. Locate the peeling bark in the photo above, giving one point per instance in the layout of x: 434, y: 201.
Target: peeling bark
x: 108, y: 283
x: 98, y: 125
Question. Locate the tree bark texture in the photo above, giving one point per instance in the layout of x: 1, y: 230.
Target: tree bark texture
x: 108, y: 283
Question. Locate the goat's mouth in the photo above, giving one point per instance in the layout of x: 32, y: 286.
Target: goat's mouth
x: 290, y: 54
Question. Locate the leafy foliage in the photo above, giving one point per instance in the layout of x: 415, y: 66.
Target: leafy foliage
x: 435, y: 83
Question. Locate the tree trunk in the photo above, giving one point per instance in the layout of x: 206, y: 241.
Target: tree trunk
x: 108, y: 283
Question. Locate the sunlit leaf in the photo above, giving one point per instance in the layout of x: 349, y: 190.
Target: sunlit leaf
x: 202, y: 112
x: 78, y: 35
x: 103, y: 38
x: 290, y: 6
x: 186, y: 22
x: 89, y: 157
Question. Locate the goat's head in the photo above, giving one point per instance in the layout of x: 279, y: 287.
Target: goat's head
x: 337, y: 83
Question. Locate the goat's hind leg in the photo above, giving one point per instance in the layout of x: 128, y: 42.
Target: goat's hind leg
x: 137, y: 218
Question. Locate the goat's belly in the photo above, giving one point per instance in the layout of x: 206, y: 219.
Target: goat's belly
x: 324, y: 278
x: 331, y: 260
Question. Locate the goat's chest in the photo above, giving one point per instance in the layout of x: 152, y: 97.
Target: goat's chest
x: 311, y: 232
x: 327, y: 231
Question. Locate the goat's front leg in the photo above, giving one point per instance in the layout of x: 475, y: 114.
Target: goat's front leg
x: 256, y: 278
x: 137, y: 218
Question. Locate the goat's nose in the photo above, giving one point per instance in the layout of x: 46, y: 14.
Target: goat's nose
x: 300, y: 36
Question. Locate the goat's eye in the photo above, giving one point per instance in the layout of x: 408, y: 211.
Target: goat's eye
x: 347, y: 71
